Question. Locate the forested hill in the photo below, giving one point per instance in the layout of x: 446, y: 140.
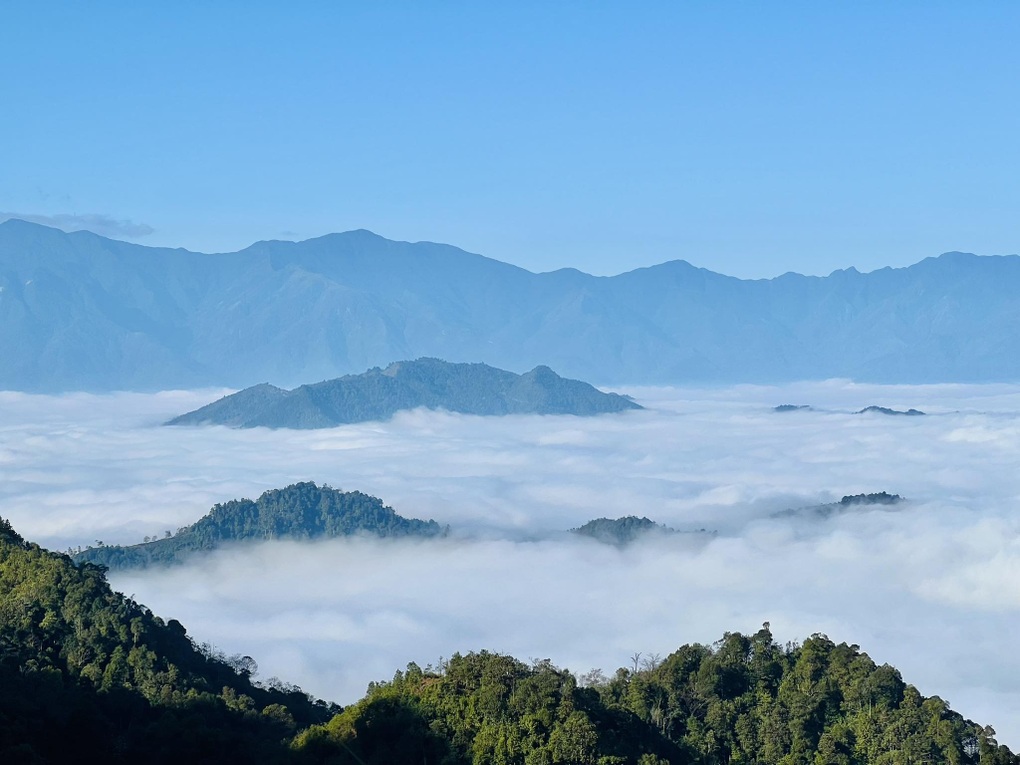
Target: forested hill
x: 745, y: 699
x: 86, y: 673
x: 378, y: 394
x: 848, y: 503
x: 300, y: 511
x: 622, y: 531
x: 82, y: 312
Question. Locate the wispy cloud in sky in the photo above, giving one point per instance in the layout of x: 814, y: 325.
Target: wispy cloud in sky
x: 928, y: 586
x: 97, y: 223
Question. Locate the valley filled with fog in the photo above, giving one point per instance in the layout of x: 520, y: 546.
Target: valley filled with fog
x: 931, y: 586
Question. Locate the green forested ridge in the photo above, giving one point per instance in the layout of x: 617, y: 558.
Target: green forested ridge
x: 299, y: 511
x: 87, y: 671
x: 744, y: 700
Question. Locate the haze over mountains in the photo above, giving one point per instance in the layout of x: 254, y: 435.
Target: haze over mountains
x: 81, y: 312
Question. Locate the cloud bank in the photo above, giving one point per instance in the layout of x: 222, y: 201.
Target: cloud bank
x: 930, y: 586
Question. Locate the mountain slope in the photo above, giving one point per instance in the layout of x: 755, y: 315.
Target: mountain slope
x: 379, y: 393
x: 81, y: 312
x: 300, y: 511
x: 87, y: 674
x: 745, y: 699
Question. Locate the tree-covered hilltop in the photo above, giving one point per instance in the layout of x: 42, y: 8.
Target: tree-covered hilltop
x: 299, y: 511
x: 622, y: 531
x: 846, y: 504
x: 378, y: 394
x: 745, y: 700
x: 86, y: 673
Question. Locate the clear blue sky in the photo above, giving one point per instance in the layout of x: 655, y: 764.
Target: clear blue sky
x: 749, y: 138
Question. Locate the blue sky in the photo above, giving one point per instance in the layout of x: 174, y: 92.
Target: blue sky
x: 751, y: 139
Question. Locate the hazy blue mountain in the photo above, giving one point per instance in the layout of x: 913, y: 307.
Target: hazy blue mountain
x: 846, y: 504
x: 379, y: 393
x: 887, y: 410
x: 300, y: 511
x: 866, y: 410
x: 622, y: 531
x: 83, y: 312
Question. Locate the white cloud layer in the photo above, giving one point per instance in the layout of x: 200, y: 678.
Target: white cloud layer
x: 932, y: 587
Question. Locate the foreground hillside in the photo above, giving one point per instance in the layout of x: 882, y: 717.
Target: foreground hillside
x: 299, y: 511
x: 743, y: 700
x: 378, y: 394
x: 81, y: 312
x: 88, y: 674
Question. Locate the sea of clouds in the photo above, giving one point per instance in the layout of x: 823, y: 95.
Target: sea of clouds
x: 931, y: 586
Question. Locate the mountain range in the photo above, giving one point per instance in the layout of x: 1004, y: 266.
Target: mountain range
x: 380, y: 393
x: 82, y: 312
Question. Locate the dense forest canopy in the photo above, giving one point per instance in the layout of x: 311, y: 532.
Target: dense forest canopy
x: 745, y: 699
x: 300, y: 511
x: 84, y: 669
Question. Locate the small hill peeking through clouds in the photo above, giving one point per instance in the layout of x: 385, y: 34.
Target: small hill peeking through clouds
x: 300, y: 511
x: 378, y: 394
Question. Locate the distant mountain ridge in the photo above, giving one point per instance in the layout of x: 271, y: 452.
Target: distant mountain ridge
x: 380, y: 393
x: 81, y: 312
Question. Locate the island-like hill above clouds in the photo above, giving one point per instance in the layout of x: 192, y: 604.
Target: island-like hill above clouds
x: 85, y: 669
x: 300, y: 511
x: 81, y: 312
x: 305, y: 511
x: 380, y: 393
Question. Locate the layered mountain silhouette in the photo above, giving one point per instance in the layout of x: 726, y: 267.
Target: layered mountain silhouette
x: 81, y: 312
x: 380, y: 393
